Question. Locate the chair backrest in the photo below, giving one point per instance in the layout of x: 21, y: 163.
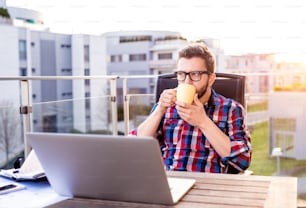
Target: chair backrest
x: 228, y: 85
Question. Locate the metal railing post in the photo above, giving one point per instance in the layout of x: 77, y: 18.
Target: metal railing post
x: 26, y: 110
x: 113, y: 89
x: 126, y: 104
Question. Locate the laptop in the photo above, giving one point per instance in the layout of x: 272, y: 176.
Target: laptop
x: 119, y: 168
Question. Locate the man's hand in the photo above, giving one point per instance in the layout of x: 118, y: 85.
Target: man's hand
x: 149, y: 127
x: 193, y: 113
x: 167, y: 99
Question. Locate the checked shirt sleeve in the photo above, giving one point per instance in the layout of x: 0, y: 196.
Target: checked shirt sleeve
x: 240, y: 156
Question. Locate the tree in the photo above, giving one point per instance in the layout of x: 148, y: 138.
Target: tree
x: 4, y: 13
x: 10, y: 131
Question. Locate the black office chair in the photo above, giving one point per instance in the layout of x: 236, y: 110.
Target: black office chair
x: 228, y: 85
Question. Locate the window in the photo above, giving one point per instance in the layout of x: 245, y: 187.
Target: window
x: 23, y: 71
x: 86, y: 53
x: 87, y: 82
x: 126, y: 39
x: 66, y: 94
x: 162, y: 56
x: 116, y: 58
x: 22, y: 50
x: 87, y: 104
x: 65, y: 46
x: 87, y: 72
x: 66, y: 70
x: 137, y: 57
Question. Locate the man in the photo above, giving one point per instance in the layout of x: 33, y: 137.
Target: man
x: 209, y: 135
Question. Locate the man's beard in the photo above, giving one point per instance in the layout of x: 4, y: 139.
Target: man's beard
x: 203, y: 90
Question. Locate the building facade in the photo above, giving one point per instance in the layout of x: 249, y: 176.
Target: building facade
x: 67, y: 105
x: 146, y: 53
x: 131, y: 53
x: 39, y: 53
x: 253, y: 64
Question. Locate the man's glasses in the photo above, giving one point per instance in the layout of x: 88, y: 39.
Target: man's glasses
x: 193, y: 75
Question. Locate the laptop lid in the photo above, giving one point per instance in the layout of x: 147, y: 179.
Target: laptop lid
x: 105, y: 167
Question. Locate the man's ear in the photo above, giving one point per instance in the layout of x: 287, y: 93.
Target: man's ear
x: 212, y: 78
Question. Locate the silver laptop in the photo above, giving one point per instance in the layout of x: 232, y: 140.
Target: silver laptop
x: 120, y: 168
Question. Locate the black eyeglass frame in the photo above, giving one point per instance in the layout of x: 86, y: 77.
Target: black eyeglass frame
x: 188, y: 73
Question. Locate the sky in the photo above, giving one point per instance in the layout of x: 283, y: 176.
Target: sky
x: 242, y: 26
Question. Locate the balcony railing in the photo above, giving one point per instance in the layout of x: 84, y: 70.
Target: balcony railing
x: 87, y: 107
x: 97, y: 106
x: 43, y: 107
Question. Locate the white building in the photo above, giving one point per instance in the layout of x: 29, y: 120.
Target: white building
x: 253, y: 63
x: 25, y: 52
x: 9, y: 63
x: 146, y: 53
x: 88, y: 59
x: 141, y: 53
x: 29, y: 51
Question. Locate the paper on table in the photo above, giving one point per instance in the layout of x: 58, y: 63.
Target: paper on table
x: 31, y: 169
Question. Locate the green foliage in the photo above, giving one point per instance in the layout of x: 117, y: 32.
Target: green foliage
x: 170, y: 38
x: 260, y: 106
x: 75, y: 131
x: 135, y: 110
x: 297, y: 87
x: 4, y: 13
x: 120, y: 114
x: 143, y: 110
x: 126, y: 39
x: 262, y: 163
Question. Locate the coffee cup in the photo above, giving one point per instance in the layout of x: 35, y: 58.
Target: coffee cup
x: 185, y: 93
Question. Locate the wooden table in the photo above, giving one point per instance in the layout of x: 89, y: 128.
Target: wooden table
x: 217, y: 190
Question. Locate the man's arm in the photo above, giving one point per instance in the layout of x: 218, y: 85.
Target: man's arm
x: 150, y: 126
x: 218, y: 139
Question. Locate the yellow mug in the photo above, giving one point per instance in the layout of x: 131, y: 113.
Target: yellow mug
x: 185, y: 93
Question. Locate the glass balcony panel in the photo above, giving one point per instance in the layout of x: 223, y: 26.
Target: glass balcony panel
x: 11, y: 133
x: 140, y: 106
x: 85, y: 111
x: 105, y: 106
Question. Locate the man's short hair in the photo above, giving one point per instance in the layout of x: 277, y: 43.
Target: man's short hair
x: 199, y: 50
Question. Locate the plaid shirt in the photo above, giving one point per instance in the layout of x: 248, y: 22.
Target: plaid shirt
x: 185, y: 148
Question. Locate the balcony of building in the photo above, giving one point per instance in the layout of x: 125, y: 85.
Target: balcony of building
x: 95, y: 104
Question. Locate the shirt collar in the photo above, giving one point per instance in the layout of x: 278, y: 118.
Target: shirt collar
x: 213, y: 99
